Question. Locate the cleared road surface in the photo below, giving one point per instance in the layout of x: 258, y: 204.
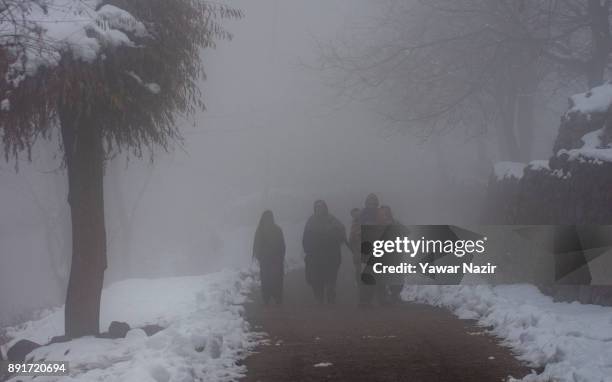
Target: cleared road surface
x: 408, y: 342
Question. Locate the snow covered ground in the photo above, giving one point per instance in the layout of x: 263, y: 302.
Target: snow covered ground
x: 204, y: 338
x: 571, y: 340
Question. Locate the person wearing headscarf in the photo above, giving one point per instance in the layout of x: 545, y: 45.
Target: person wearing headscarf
x: 322, y: 241
x: 269, y: 250
x: 370, y: 214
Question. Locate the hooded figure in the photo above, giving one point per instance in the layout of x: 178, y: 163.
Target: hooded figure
x: 322, y: 240
x: 269, y: 250
x: 370, y: 214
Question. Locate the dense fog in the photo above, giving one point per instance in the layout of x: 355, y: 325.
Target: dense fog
x: 278, y: 133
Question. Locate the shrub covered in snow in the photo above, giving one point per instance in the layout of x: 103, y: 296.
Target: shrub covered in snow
x: 588, y: 112
x: 575, y: 185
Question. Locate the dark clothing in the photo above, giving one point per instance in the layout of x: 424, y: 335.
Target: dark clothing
x: 322, y: 241
x: 272, y: 275
x: 269, y: 250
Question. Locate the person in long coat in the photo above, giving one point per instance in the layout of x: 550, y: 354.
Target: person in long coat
x: 322, y: 242
x: 269, y: 250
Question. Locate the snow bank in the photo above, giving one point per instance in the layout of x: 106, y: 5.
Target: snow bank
x: 571, y: 340
x: 508, y: 170
x: 204, y: 337
x: 596, y: 100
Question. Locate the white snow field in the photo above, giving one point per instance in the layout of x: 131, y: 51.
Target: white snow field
x: 572, y: 341
x: 204, y: 338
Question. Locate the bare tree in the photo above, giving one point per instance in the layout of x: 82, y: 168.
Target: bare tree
x: 443, y: 64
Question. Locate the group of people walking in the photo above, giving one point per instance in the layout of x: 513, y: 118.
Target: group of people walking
x: 322, y: 241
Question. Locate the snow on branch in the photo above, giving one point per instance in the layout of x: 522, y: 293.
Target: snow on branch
x: 129, y: 66
x: 35, y: 33
x: 150, y: 86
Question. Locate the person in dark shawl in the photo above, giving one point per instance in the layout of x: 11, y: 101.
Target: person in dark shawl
x: 269, y: 250
x: 322, y: 241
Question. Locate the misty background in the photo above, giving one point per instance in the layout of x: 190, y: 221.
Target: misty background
x: 278, y: 134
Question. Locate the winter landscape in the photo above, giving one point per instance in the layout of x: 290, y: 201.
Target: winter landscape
x: 188, y: 189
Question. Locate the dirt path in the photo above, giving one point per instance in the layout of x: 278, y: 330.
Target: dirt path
x: 411, y: 342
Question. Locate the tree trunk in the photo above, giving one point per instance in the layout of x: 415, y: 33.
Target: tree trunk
x: 85, y: 163
x: 600, y: 32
